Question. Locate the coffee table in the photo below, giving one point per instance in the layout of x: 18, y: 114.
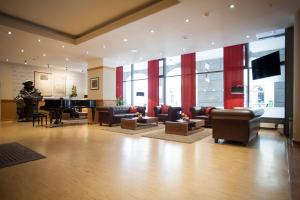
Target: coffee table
x: 139, y: 123
x: 181, y: 127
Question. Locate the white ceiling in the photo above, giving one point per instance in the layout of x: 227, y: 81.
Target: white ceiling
x: 223, y: 26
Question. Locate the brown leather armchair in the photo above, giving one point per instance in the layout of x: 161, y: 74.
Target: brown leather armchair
x: 240, y: 125
x: 172, y: 115
x: 199, y: 112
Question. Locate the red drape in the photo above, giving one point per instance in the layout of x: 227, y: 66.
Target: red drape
x: 153, y: 85
x: 233, y: 75
x: 119, y: 82
x: 188, y: 82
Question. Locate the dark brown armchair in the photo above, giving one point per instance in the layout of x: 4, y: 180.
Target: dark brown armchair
x: 203, y: 113
x: 172, y: 115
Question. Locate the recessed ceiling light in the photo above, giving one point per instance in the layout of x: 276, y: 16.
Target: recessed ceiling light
x: 39, y: 40
x: 25, y: 62
x: 44, y: 54
x: 104, y: 46
x: 6, y: 59
x: 87, y: 52
x: 187, y: 20
x: 22, y: 50
x: 152, y: 31
x: 183, y: 49
x: 247, y: 36
x: 125, y: 40
x: 63, y: 46
x: 134, y: 50
x: 212, y: 43
x: 9, y: 32
x: 67, y: 59
x: 231, y: 6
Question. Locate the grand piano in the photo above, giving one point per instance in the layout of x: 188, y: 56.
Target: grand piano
x: 56, y: 107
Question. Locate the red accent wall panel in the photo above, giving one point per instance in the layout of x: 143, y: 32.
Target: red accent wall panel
x: 233, y: 75
x: 153, y: 86
x: 119, y: 82
x: 188, y: 82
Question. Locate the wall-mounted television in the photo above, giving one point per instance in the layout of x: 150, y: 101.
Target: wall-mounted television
x: 266, y: 66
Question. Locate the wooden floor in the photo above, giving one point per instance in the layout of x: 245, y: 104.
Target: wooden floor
x: 84, y: 162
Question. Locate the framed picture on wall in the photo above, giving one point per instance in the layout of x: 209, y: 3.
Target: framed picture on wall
x: 43, y: 81
x: 94, y: 83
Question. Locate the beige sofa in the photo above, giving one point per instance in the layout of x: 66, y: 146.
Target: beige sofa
x: 241, y: 125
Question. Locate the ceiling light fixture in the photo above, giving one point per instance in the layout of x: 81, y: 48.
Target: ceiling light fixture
x: 134, y: 50
x: 6, y: 59
x: 152, y: 31
x: 39, y: 40
x: 125, y: 40
x: 104, y: 46
x: 87, y: 52
x: 63, y: 46
x: 231, y: 6
x: 67, y: 59
x: 22, y: 50
x: 44, y: 54
x: 9, y: 32
x: 25, y: 62
x: 187, y: 20
x: 183, y: 49
x: 248, y: 36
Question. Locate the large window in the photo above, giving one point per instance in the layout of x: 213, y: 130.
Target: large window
x: 127, y: 84
x: 140, y: 84
x: 268, y: 93
x: 173, y: 81
x: 209, y: 78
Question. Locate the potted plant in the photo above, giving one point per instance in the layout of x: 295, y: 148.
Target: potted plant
x: 119, y: 101
x: 74, y: 92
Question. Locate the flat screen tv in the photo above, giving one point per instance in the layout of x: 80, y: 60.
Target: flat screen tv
x: 266, y: 66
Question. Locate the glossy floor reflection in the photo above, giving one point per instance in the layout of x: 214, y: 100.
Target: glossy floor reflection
x: 84, y: 162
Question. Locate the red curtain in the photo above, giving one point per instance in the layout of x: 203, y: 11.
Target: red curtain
x: 233, y: 75
x: 188, y: 82
x: 119, y: 82
x: 153, y: 85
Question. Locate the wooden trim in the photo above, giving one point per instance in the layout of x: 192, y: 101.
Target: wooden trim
x: 7, y: 100
x: 101, y: 67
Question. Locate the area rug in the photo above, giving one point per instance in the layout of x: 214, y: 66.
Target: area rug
x: 15, y: 153
x: 118, y: 129
x: 179, y: 138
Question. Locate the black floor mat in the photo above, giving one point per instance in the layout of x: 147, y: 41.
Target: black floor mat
x: 15, y: 153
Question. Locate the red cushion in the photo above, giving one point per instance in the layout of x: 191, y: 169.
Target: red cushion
x: 133, y: 109
x: 208, y: 110
x: 164, y: 109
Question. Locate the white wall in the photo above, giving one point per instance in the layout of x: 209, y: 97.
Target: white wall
x: 13, y: 75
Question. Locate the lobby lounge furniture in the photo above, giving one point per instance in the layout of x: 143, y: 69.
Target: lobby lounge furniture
x: 172, y: 114
x: 239, y: 125
x: 181, y: 127
x: 39, y: 116
x: 202, y: 112
x: 113, y: 115
x: 139, y: 123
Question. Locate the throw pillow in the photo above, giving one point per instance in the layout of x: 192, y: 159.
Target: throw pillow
x: 164, y: 109
x: 133, y: 109
x: 208, y: 110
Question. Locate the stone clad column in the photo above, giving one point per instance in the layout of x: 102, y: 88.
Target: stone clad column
x: 296, y: 113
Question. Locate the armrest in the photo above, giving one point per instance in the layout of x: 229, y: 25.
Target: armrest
x: 196, y: 110
x: 173, y: 113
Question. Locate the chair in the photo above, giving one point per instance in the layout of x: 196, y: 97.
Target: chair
x: 39, y: 116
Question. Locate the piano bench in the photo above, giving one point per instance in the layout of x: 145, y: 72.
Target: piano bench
x: 39, y: 117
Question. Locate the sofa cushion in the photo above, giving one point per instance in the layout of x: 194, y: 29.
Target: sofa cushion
x: 133, y: 109
x: 208, y: 110
x: 162, y: 115
x: 130, y: 115
x: 164, y: 109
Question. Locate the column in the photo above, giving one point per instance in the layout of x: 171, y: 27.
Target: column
x: 296, y: 113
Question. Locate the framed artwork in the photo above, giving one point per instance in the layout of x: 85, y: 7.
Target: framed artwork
x: 59, y: 85
x: 94, y: 83
x: 43, y: 82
